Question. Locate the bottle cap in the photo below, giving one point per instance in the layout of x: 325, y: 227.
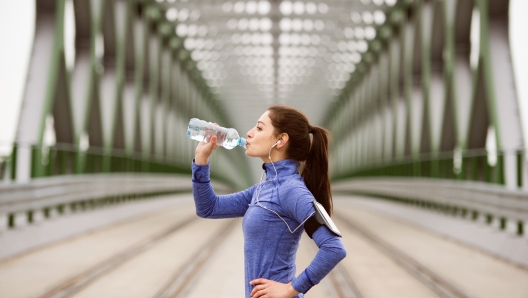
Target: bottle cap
x: 242, y: 142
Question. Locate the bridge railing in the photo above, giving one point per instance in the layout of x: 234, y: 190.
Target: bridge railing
x: 68, y: 159
x: 468, y: 165
x: 470, y: 184
x: 34, y: 201
x: 502, y: 208
x: 65, y: 179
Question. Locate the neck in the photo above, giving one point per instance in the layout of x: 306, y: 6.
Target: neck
x: 266, y: 160
x: 275, y: 157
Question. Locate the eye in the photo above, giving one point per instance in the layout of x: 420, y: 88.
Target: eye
x: 259, y: 129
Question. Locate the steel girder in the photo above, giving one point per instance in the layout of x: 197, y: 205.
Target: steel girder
x: 131, y: 91
x: 418, y: 98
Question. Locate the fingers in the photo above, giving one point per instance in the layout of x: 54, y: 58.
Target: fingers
x: 258, y: 293
x: 261, y: 285
x: 265, y: 288
x: 256, y: 290
x: 258, y: 281
x: 204, y: 150
x: 213, y: 140
x: 210, y: 146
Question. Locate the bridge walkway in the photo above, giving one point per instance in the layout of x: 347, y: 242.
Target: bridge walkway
x: 160, y: 248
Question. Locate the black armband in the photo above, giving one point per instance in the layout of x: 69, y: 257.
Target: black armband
x: 311, y: 225
x: 320, y: 218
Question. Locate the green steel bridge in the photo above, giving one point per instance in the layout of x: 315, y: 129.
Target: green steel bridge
x: 425, y: 99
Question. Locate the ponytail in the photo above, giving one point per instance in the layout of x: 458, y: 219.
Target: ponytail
x: 315, y: 172
x: 313, y: 153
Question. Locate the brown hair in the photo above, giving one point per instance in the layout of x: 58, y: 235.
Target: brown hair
x: 315, y: 153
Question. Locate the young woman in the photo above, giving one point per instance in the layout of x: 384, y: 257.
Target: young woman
x: 275, y: 210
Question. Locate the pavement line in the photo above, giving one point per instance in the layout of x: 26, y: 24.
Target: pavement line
x: 78, y: 282
x: 428, y: 277
x: 339, y: 284
x: 182, y: 280
x: 344, y: 285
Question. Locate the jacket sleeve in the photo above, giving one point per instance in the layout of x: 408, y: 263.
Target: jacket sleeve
x: 208, y: 204
x: 331, y: 252
x: 331, y: 249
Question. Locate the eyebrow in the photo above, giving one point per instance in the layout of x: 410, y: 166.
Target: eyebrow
x: 260, y: 122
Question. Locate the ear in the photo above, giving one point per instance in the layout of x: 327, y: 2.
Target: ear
x: 283, y: 140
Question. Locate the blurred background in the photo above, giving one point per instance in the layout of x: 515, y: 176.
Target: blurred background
x: 426, y: 100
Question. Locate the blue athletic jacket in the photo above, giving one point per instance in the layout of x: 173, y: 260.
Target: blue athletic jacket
x: 272, y: 226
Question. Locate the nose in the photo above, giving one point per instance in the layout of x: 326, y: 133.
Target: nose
x: 249, y: 134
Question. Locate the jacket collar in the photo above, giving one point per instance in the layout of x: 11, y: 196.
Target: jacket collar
x: 285, y: 167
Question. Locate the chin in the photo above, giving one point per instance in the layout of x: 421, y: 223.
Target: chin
x: 250, y: 153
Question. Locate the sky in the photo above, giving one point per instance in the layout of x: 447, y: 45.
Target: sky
x: 17, y: 27
x: 14, y: 56
x: 519, y: 44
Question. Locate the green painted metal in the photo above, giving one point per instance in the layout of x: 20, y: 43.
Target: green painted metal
x: 144, y: 64
x: 413, y: 107
x: 433, y: 127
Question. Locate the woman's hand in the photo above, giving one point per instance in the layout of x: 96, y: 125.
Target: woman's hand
x: 204, y: 150
x: 266, y: 288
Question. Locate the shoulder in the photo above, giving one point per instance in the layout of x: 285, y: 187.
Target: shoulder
x: 296, y: 199
x: 295, y: 188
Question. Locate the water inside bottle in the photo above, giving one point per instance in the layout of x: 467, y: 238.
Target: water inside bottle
x: 231, y: 140
x: 227, y: 138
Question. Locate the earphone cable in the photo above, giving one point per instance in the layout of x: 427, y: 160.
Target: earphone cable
x: 266, y: 208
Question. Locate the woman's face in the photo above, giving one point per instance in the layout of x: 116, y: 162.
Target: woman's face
x: 261, y: 138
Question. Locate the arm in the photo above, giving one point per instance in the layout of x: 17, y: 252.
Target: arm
x: 331, y: 251
x: 209, y: 205
x: 298, y: 204
x: 331, y: 248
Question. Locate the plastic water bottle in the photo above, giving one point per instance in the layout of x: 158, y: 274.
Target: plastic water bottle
x: 200, y: 130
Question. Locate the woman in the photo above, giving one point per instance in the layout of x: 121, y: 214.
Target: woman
x: 275, y: 210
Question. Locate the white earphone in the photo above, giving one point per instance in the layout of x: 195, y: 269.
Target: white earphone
x: 278, y: 142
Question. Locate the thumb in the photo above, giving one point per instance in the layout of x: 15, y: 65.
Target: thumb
x: 211, y: 146
x: 213, y: 140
